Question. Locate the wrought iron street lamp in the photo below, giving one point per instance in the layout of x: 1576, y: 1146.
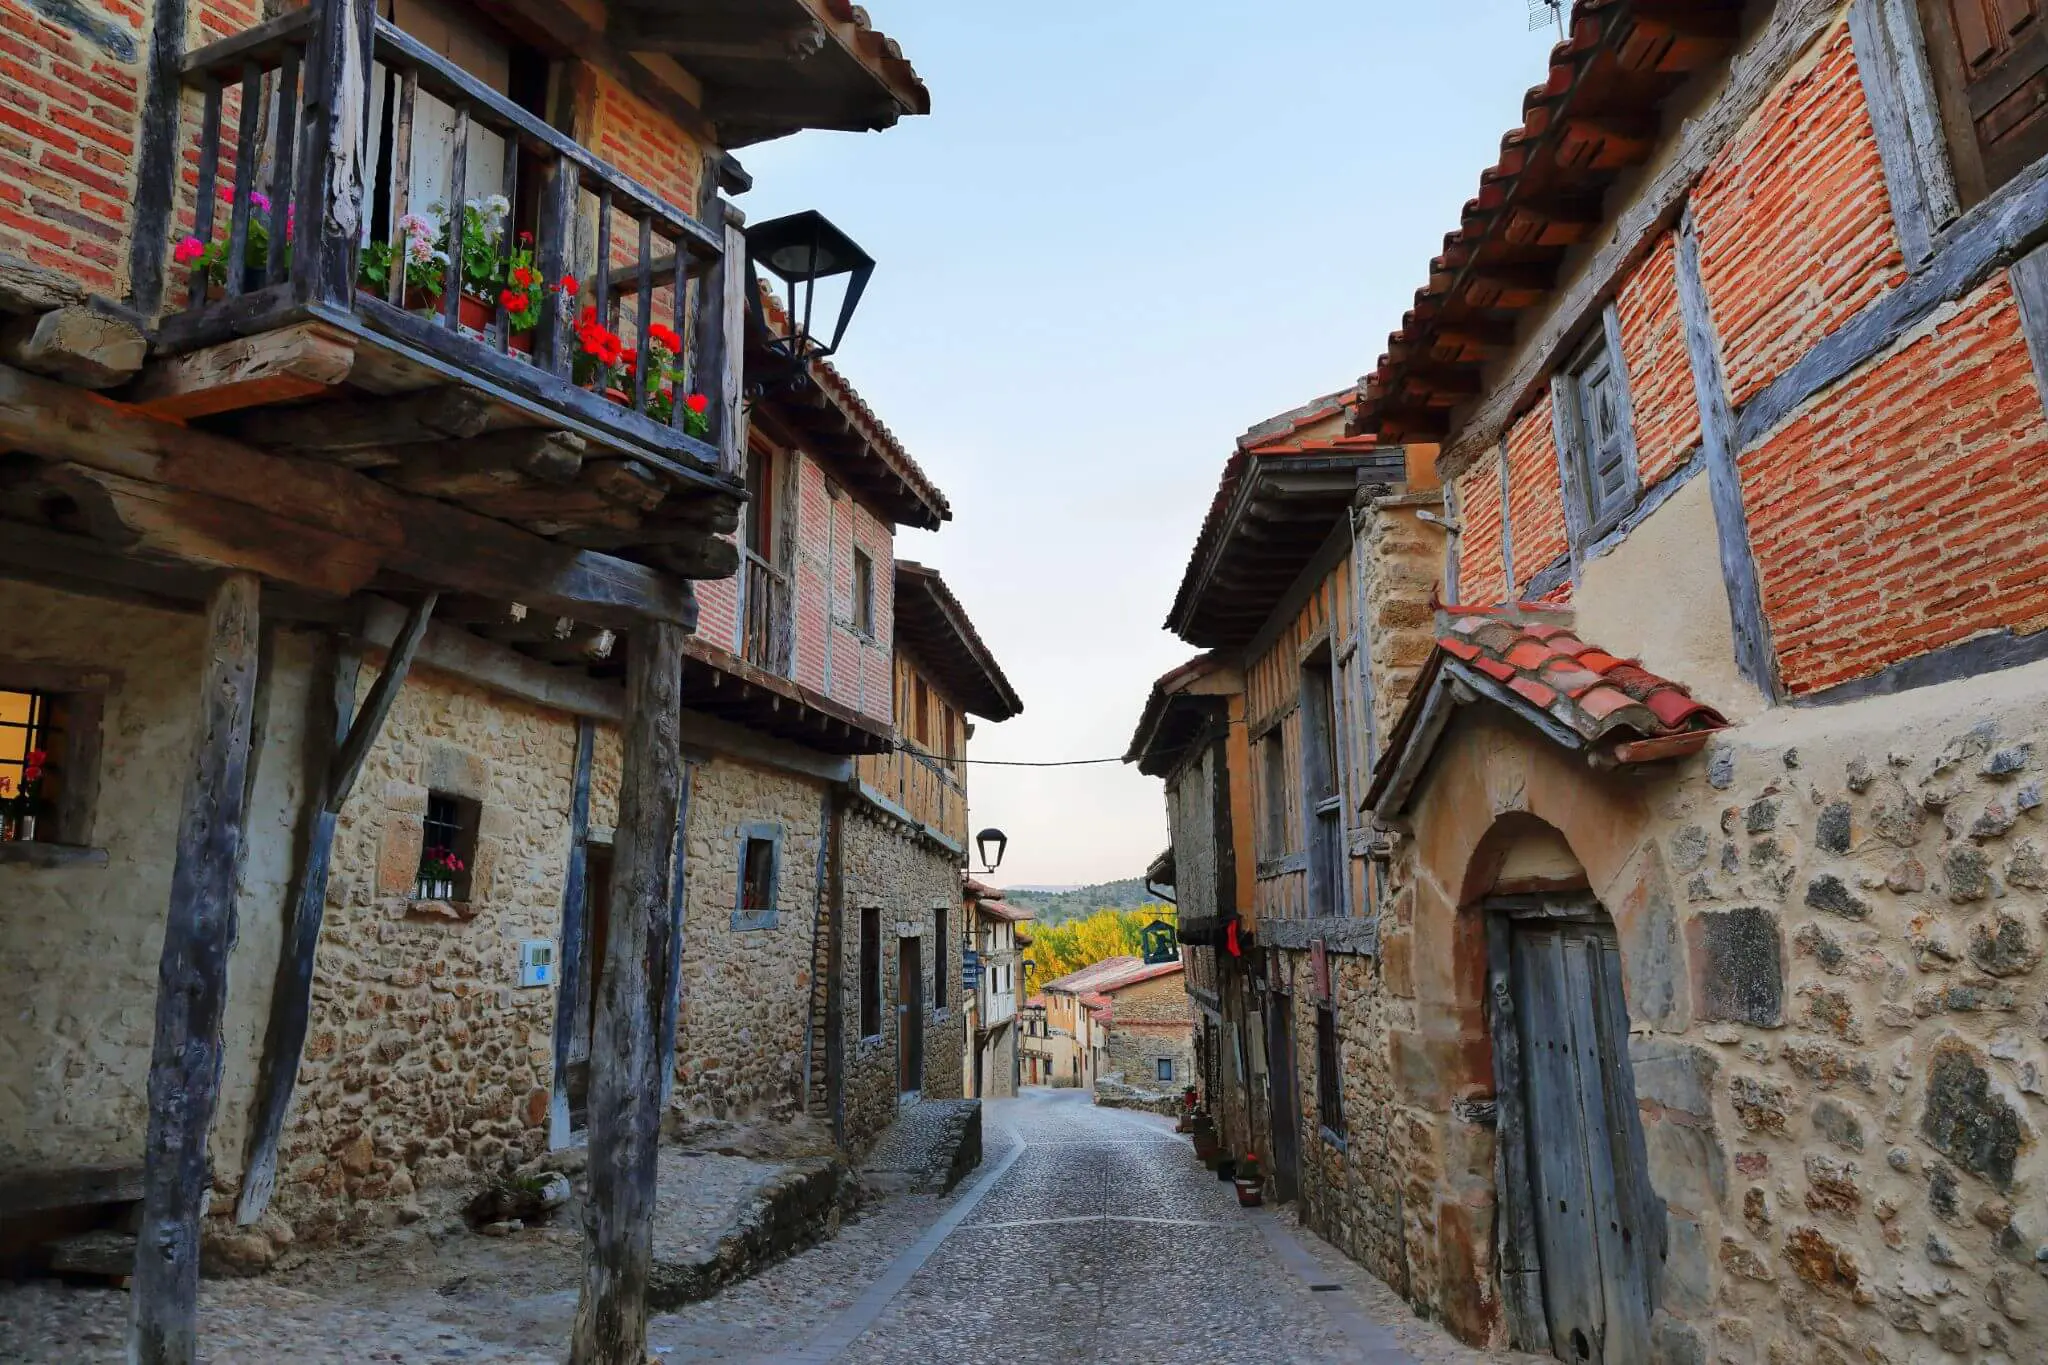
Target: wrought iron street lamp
x: 983, y: 840
x: 800, y: 250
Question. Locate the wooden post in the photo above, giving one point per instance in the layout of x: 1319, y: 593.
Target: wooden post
x: 569, y: 1002
x: 331, y: 179
x: 625, y: 1091
x: 672, y: 992
x: 291, y: 999
x: 192, y: 986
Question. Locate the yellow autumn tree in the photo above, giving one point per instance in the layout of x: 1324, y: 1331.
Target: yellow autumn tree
x: 1059, y: 950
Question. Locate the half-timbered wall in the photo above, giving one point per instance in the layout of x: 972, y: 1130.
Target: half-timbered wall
x: 927, y: 776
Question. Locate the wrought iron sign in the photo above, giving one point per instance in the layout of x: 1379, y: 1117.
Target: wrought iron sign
x: 1160, y: 943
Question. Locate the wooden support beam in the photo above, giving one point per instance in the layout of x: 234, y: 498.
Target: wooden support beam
x: 270, y: 367
x: 262, y: 511
x: 291, y: 999
x: 362, y: 430
x: 192, y: 987
x: 625, y: 1087
x: 492, y: 463
x: 29, y: 288
x: 79, y: 344
x: 571, y: 1009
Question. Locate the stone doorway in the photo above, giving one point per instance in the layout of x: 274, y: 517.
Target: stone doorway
x: 1582, y: 1234
x: 910, y: 1016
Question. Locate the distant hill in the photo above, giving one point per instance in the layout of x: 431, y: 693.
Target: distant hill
x: 1057, y: 907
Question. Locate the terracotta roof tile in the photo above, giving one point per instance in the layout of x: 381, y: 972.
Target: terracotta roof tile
x: 1544, y: 665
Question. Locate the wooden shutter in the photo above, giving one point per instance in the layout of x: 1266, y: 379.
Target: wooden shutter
x: 2002, y: 46
x: 1605, y: 455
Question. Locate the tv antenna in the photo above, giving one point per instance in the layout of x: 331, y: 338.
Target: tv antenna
x: 1542, y: 12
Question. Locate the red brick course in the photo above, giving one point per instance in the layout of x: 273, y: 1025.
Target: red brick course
x: 1904, y: 510
x: 1535, y: 495
x: 1659, y: 368
x: 68, y: 117
x: 1482, y: 573
x: 1794, y: 222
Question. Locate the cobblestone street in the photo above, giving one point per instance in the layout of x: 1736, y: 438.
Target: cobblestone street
x: 1094, y: 1235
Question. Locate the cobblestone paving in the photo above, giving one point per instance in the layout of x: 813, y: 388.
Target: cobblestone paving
x: 1106, y: 1240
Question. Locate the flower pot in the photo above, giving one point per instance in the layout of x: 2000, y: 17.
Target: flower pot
x: 1250, y: 1193
x: 1226, y: 1168
x: 477, y: 316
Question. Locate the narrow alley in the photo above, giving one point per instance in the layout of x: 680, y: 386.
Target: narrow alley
x: 1101, y: 1238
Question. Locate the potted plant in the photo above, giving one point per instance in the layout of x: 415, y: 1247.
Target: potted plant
x: 212, y: 257
x: 1207, y: 1145
x: 438, y: 869
x: 19, y: 806
x: 1250, y: 1182
x: 415, y: 251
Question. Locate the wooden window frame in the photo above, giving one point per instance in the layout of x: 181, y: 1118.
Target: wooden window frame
x: 1273, y: 783
x: 79, y: 695
x: 746, y: 917
x: 1585, y: 517
x: 863, y: 593
x: 872, y: 973
x: 1975, y: 179
x: 941, y: 959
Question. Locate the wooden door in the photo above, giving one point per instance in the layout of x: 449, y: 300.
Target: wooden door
x: 1597, y: 1226
x: 1286, y: 1096
x: 597, y: 912
x: 910, y: 1016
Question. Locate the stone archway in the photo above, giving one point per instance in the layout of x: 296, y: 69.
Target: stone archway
x: 1502, y: 811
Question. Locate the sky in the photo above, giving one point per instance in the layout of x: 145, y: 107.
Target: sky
x: 1128, y: 231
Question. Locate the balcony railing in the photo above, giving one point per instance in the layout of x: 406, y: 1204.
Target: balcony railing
x: 326, y: 105
x: 771, y: 617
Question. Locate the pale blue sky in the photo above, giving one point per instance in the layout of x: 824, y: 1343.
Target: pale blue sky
x: 1128, y: 231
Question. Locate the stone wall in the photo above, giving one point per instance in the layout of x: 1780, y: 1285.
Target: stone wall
x: 79, y: 944
x: 425, y: 1062
x: 1832, y: 926
x: 906, y: 876
x: 743, y: 1025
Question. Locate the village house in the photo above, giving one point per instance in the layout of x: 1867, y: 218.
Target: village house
x: 1121, y: 1017
x: 991, y: 1065
x: 566, y: 732
x: 1034, y: 1043
x: 1683, y: 1001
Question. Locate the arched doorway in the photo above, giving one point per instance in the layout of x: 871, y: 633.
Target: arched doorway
x: 1582, y: 1231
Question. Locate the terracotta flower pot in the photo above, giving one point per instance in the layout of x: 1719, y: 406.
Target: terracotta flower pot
x: 478, y: 315
x: 1250, y: 1193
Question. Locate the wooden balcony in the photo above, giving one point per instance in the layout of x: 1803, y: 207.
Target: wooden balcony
x: 296, y: 352
x: 928, y: 791
x: 770, y: 608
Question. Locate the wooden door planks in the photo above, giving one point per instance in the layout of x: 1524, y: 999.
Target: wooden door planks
x: 625, y: 1089
x: 199, y: 931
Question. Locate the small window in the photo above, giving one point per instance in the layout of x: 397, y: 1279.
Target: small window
x: 1602, y: 452
x: 871, y: 973
x: 1275, y: 759
x: 27, y: 785
x: 1166, y: 1068
x: 447, y: 849
x: 924, y: 714
x: 760, y: 866
x: 1990, y: 61
x: 864, y: 593
x: 1329, y: 1076
x: 939, y: 958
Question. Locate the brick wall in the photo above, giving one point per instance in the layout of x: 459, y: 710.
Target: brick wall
x: 1482, y: 576
x: 1659, y: 369
x: 1903, y: 510
x: 1535, y: 495
x: 68, y: 114
x: 1795, y: 226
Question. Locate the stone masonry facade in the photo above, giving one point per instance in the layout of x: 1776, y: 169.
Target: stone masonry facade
x: 1151, y: 1021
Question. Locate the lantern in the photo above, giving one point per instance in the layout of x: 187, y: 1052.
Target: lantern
x: 1160, y: 943
x: 801, y: 250
x: 997, y: 838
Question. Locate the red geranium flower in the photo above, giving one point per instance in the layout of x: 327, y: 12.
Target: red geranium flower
x: 521, y: 275
x: 568, y: 284
x: 514, y: 302
x: 665, y: 337
x: 697, y: 402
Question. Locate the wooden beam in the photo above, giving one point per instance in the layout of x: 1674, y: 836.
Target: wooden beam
x: 192, y: 987
x: 685, y: 35
x: 270, y: 367
x: 79, y: 344
x: 625, y: 1089
x: 427, y: 541
x: 29, y: 288
x: 292, y: 997
x: 570, y: 1006
x: 362, y: 430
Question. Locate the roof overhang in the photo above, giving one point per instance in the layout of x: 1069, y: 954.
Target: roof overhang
x: 720, y: 683
x: 1276, y: 507
x: 931, y: 621
x: 823, y: 413
x: 1160, y: 871
x: 1631, y: 736
x: 1182, y: 707
x: 768, y: 68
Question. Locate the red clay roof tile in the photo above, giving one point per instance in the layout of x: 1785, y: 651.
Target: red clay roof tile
x: 1603, y: 701
x: 1467, y: 652
x: 1529, y: 654
x: 1495, y: 669
x: 1533, y: 691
